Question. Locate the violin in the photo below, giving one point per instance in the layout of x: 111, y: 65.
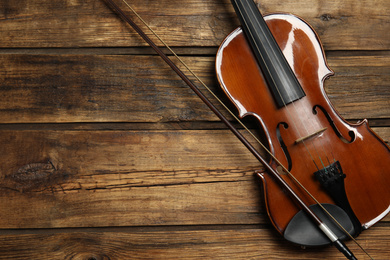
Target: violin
x: 273, y: 69
x: 326, y: 179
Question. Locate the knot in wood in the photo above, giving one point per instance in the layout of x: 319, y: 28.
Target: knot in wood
x: 326, y: 17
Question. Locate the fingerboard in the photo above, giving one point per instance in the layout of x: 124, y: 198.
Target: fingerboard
x: 276, y: 70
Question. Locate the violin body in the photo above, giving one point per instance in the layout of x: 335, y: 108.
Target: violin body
x: 307, y: 136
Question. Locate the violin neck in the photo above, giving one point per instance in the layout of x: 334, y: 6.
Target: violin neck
x: 276, y: 70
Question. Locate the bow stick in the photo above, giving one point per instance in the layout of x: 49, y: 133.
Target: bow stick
x: 325, y: 229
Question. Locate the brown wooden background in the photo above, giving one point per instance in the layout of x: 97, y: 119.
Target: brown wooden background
x: 106, y: 154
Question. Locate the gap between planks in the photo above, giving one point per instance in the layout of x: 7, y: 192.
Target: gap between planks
x: 110, y: 126
x: 146, y: 50
x: 138, y: 229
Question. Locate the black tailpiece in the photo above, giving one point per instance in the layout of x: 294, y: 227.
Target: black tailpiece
x: 332, y: 180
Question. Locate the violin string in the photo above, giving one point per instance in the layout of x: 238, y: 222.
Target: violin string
x: 241, y: 123
x: 284, y: 103
x: 289, y: 173
x: 295, y: 108
x: 294, y: 123
x: 305, y: 112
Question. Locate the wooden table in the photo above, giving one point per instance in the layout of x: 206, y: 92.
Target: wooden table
x: 106, y: 154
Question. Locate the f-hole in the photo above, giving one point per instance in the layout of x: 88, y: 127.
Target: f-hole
x: 282, y: 144
x: 334, y: 127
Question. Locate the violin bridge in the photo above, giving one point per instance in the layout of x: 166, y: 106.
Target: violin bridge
x: 299, y: 140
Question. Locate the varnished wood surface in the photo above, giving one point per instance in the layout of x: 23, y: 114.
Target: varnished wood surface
x: 105, y: 154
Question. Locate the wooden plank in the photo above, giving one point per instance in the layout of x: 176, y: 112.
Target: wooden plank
x: 151, y: 178
x: 360, y: 84
x: 74, y: 151
x: 361, y: 25
x: 79, y: 89
x: 65, y: 178
x: 251, y: 243
x: 383, y: 132
x: 106, y: 88
x: 218, y: 203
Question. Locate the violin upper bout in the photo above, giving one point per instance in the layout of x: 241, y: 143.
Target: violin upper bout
x: 300, y: 45
x: 236, y: 65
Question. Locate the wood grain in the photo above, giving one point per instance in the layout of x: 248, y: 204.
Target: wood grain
x: 72, y: 175
x: 245, y: 243
x: 111, y: 88
x: 105, y: 154
x: 361, y: 25
x: 126, y: 172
